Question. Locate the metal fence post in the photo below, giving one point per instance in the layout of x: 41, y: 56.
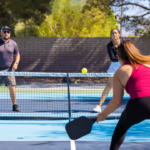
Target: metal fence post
x: 69, y: 104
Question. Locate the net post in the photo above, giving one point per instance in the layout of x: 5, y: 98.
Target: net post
x: 69, y: 109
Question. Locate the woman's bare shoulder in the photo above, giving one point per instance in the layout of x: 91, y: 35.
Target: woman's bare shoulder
x: 125, y: 67
x: 124, y: 73
x: 124, y: 70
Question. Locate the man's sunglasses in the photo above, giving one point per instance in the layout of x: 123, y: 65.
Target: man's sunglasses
x: 6, y: 32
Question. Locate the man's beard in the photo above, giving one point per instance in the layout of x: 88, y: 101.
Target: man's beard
x: 6, y: 38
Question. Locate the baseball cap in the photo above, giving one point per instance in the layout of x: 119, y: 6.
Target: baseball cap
x: 5, y: 28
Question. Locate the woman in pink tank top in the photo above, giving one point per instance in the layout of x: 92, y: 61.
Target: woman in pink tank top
x: 134, y: 76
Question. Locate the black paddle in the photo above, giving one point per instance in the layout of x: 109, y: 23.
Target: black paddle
x: 79, y: 127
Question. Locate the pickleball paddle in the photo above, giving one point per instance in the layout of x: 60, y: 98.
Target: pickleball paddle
x: 79, y: 127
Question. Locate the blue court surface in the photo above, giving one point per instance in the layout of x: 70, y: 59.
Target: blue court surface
x: 52, y: 100
x: 51, y: 135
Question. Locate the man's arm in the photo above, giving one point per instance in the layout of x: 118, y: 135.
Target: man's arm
x: 17, y: 56
x: 17, y: 59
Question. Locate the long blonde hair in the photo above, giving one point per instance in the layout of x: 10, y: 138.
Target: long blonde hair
x: 127, y: 51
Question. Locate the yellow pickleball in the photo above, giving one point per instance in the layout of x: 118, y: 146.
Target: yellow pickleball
x: 84, y: 70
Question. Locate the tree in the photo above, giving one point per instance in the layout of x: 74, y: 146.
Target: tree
x: 70, y: 23
x: 77, y: 4
x: 14, y: 10
x: 143, y: 32
x: 81, y: 2
x: 102, y: 5
x: 130, y: 22
x: 25, y: 29
x: 77, y: 7
x: 136, y: 20
x: 59, y: 5
x: 5, y: 16
x: 142, y: 19
x: 28, y: 28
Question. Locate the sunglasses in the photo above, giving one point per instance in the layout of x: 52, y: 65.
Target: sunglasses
x: 6, y: 32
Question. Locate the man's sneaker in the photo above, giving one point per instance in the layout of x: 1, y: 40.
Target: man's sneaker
x: 16, y: 108
x: 97, y: 109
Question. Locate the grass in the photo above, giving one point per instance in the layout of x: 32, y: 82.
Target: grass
x: 5, y: 90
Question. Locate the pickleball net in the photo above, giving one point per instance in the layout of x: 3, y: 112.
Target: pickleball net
x: 53, y: 96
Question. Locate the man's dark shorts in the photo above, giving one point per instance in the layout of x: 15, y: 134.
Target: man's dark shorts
x: 9, y: 80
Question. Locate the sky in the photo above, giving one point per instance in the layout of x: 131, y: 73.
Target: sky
x: 134, y: 11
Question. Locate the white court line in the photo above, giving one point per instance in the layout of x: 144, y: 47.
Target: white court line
x: 67, y: 141
x: 73, y: 145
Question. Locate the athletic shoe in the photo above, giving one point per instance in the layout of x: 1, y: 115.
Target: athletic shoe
x: 16, y: 108
x: 97, y: 109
